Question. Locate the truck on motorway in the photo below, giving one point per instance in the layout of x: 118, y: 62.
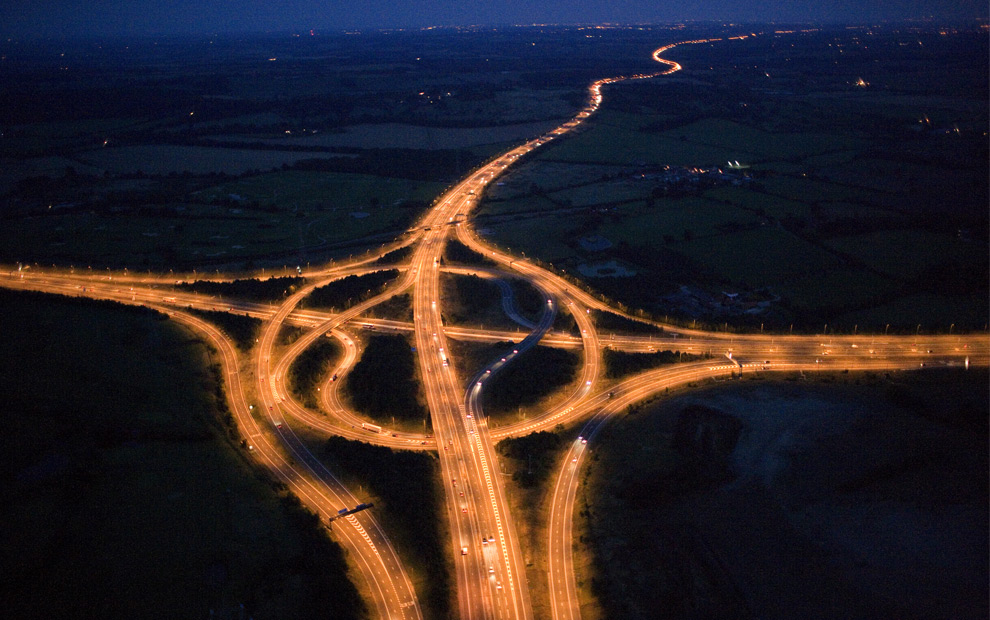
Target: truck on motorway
x: 443, y: 357
x: 374, y: 428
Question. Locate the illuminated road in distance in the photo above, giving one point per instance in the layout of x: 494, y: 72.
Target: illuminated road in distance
x: 491, y: 579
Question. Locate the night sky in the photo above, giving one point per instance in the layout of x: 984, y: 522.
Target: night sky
x: 46, y: 18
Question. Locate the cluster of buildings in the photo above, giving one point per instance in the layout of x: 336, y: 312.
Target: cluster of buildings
x: 693, y: 301
x: 672, y: 177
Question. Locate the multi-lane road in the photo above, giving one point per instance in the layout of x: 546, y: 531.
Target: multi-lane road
x: 491, y: 576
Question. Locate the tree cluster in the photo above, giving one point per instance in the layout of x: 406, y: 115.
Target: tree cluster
x: 536, y: 455
x: 564, y: 322
x: 382, y: 383
x: 473, y: 296
x: 620, y: 363
x: 457, y: 252
x: 609, y: 321
x: 271, y: 289
x: 350, y: 290
x: 310, y: 367
x: 395, y: 256
x: 531, y: 376
x: 529, y: 300
x: 319, y: 566
x: 412, y: 508
x: 241, y: 328
x: 397, y: 308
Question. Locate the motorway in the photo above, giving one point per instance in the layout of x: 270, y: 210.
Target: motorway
x: 491, y: 575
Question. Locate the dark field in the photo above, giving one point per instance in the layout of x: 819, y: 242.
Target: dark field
x: 866, y: 497
x: 126, y: 497
x: 852, y: 205
x: 176, y: 152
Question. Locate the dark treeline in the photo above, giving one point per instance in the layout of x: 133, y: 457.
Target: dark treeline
x: 310, y: 367
x: 531, y: 376
x: 241, y: 328
x: 271, y: 289
x: 8, y: 295
x: 397, y: 308
x: 536, y: 455
x: 395, y: 256
x: 328, y: 595
x: 105, y: 374
x: 382, y: 383
x: 457, y: 252
x: 350, y: 290
x: 529, y: 301
x: 620, y: 363
x: 564, y: 322
x: 473, y: 296
x: 288, y: 334
x: 411, y: 502
x: 609, y: 321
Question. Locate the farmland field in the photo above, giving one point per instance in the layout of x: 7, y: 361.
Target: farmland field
x: 837, y: 494
x: 112, y: 465
x: 961, y: 311
x: 761, y: 257
x: 605, y: 144
x: 544, y: 238
x: 320, y: 190
x: 163, y: 159
x: 903, y: 253
x: 525, y: 204
x: 816, y: 200
x: 698, y: 217
x: 602, y: 193
x: 404, y: 136
x: 241, y: 220
x: 764, y: 145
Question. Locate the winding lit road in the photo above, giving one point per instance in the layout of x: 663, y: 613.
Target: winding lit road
x: 491, y: 575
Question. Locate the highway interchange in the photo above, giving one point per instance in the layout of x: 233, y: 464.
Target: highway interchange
x: 490, y: 573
